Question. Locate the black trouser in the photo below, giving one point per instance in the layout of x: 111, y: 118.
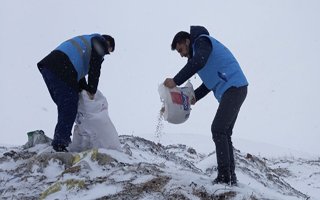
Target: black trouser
x: 222, y: 126
x: 66, y: 98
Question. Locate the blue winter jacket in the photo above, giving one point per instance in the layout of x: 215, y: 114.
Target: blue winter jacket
x: 222, y: 70
x: 213, y: 62
x: 78, y: 49
x: 69, y: 64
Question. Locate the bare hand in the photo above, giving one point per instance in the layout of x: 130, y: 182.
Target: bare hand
x: 162, y: 110
x: 169, y: 82
x: 91, y: 96
x: 193, y: 101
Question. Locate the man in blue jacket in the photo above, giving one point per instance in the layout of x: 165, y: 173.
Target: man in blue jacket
x: 220, y: 73
x: 64, y: 71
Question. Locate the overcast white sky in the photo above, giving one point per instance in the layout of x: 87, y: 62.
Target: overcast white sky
x: 276, y: 43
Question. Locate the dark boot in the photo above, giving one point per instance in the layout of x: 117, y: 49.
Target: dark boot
x: 233, y: 175
x: 60, y: 148
x: 233, y: 180
x: 223, y: 177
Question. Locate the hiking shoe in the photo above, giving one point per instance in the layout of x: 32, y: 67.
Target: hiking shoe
x: 60, y: 148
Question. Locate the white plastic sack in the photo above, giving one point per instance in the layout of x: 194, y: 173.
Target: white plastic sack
x: 93, y: 128
x: 176, y: 102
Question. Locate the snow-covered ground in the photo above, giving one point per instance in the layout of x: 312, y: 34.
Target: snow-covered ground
x: 276, y: 42
x: 149, y: 170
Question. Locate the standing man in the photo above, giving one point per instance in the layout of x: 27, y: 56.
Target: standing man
x: 64, y: 71
x: 220, y: 73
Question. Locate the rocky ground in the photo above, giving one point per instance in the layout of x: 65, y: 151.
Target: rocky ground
x: 146, y: 170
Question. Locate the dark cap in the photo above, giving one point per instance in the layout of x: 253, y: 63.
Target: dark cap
x: 110, y: 40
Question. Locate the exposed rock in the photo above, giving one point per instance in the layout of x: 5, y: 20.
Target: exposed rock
x: 144, y: 170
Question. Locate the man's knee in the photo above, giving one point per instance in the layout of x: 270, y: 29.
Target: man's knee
x: 218, y: 134
x: 223, y: 130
